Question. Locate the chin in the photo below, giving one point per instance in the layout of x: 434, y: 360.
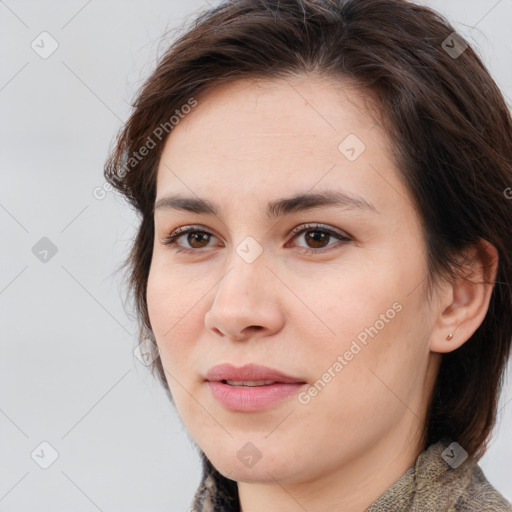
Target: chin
x: 252, y: 465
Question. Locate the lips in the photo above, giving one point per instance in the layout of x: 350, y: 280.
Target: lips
x: 251, y: 388
x: 248, y: 373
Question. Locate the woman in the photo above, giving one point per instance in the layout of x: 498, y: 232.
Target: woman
x: 323, y: 262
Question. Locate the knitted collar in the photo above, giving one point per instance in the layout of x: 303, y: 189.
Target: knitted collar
x: 432, y: 484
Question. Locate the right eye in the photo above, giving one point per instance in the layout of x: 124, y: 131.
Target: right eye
x: 199, y: 237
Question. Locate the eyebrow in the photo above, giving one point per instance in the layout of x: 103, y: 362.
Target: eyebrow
x: 276, y: 208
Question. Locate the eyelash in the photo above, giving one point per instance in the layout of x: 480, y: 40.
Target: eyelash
x: 171, y: 240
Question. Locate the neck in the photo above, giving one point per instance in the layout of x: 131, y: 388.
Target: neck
x: 352, y: 487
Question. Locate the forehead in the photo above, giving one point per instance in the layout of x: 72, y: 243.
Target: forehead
x: 305, y: 107
x: 259, y: 135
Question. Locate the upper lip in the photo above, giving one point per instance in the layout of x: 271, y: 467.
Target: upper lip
x: 248, y: 372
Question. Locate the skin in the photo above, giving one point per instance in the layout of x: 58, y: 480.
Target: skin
x: 250, y: 142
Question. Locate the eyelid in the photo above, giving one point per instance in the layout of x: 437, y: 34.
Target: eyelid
x: 321, y: 227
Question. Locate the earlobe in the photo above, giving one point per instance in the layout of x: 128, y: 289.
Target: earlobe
x: 465, y: 302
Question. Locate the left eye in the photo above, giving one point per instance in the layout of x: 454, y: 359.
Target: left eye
x: 317, y: 236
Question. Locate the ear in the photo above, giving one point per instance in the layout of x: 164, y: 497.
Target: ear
x: 463, y: 303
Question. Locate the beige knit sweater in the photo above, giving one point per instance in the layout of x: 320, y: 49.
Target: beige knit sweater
x: 430, y: 485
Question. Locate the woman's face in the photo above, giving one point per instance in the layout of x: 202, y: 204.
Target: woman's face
x: 345, y: 312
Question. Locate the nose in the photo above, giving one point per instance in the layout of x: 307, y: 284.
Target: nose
x: 247, y: 302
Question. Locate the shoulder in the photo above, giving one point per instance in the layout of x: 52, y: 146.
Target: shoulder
x: 481, y: 496
x: 439, y: 482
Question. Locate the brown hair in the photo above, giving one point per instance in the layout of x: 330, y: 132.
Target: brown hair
x: 452, y: 143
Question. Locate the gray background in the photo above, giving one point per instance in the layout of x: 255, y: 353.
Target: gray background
x: 67, y: 372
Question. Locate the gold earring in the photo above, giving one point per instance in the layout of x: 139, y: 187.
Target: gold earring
x: 449, y: 337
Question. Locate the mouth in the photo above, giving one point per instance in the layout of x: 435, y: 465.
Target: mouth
x: 250, y: 375
x: 251, y: 388
x: 249, y: 383
x: 252, y: 397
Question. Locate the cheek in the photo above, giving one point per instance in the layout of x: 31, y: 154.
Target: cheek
x: 173, y: 297
x: 337, y: 304
x: 160, y: 294
x: 368, y: 318
x: 367, y: 376
x: 170, y: 310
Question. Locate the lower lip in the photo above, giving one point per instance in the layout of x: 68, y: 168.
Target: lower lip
x: 252, y: 398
